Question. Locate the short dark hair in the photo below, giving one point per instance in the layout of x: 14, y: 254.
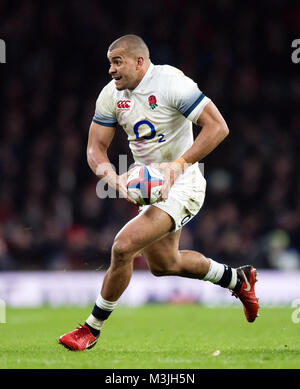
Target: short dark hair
x: 134, y: 44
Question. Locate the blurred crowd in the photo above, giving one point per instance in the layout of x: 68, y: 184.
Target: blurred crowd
x: 240, y: 56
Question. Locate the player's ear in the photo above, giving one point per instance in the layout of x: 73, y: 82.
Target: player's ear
x: 140, y: 62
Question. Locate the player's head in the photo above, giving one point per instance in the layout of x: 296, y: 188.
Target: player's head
x: 129, y: 61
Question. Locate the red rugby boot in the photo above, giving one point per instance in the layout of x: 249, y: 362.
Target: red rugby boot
x: 247, y: 275
x: 79, y: 339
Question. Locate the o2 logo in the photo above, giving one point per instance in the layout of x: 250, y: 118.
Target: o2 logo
x: 296, y: 312
x: 152, y: 134
x: 296, y: 53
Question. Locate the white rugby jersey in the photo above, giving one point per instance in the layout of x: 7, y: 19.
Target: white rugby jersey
x: 157, y: 115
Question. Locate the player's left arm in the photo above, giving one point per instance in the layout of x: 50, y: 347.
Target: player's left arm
x: 214, y: 131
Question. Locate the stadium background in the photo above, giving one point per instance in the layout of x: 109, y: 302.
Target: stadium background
x: 240, y: 56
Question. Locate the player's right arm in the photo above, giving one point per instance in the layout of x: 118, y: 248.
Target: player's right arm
x: 100, y: 138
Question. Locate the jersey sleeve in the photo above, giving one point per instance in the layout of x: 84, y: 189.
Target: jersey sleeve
x: 105, y: 114
x: 186, y: 97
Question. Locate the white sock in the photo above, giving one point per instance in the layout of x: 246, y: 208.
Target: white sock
x: 233, y: 279
x: 216, y: 271
x: 94, y: 322
x: 104, y: 305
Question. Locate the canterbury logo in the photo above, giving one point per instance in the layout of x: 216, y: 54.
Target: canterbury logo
x: 124, y: 104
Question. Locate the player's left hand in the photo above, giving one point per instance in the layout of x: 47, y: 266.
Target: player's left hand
x: 171, y: 171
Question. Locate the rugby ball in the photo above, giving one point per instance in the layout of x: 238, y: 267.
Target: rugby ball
x: 144, y: 184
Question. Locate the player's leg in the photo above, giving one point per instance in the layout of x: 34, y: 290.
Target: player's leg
x: 184, y: 201
x: 141, y: 231
x: 164, y: 258
x: 137, y: 234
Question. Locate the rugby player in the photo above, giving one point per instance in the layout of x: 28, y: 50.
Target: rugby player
x: 156, y: 106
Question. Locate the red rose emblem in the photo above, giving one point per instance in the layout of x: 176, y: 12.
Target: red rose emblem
x: 152, y: 100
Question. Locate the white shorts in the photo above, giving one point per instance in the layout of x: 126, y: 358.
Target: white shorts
x: 185, y: 198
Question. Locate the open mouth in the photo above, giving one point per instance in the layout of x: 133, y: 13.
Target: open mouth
x: 117, y: 78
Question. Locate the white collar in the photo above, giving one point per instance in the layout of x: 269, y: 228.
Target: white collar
x: 139, y: 87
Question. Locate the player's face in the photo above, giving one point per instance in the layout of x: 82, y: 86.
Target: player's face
x: 123, y: 69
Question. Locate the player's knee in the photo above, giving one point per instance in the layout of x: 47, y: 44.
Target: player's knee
x: 122, y: 250
x: 164, y: 266
x: 159, y: 270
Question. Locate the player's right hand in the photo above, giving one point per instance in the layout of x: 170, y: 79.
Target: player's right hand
x: 119, y: 182
x: 121, y: 186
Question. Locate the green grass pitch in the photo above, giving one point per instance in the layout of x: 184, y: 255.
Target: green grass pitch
x: 153, y: 337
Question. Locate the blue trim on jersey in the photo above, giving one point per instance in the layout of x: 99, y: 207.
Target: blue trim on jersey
x: 105, y: 124
x: 194, y: 105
